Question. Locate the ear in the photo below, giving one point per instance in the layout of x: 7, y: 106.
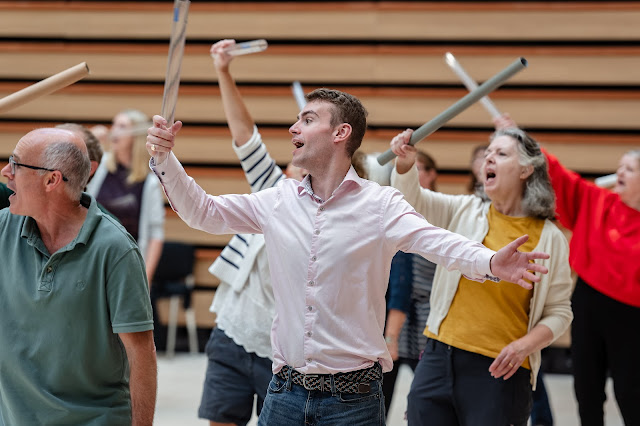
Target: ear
x: 94, y: 167
x: 526, y: 172
x: 342, y: 133
x: 53, y: 181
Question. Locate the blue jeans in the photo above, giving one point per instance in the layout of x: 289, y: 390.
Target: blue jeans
x: 288, y: 404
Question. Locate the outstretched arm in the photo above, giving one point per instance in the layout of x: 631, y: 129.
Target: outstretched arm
x: 513, y: 266
x: 238, y: 118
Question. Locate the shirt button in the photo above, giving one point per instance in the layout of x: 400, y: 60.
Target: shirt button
x: 49, y: 269
x: 308, y: 334
x: 162, y: 173
x: 309, y: 360
x: 317, y: 231
x: 313, y: 258
x: 311, y: 283
x: 309, y: 308
x: 322, y: 208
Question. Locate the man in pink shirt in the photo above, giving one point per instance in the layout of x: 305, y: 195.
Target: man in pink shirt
x: 329, y: 241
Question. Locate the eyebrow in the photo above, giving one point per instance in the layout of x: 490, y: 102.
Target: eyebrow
x: 308, y: 112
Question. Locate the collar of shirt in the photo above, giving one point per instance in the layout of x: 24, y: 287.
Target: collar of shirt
x: 305, y: 185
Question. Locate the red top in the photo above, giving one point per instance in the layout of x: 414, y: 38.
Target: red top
x: 605, y: 246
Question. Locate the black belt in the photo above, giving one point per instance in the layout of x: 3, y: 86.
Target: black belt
x: 358, y: 381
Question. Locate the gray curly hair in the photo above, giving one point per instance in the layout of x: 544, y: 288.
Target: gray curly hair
x: 538, y: 199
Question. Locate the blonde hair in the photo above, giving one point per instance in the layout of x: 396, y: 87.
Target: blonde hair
x: 139, y: 156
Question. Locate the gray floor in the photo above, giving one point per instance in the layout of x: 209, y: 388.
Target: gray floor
x: 180, y: 384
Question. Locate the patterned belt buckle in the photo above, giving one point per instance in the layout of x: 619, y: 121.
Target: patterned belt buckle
x: 309, y: 387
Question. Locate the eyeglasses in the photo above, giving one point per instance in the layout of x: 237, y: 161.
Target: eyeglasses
x: 14, y: 164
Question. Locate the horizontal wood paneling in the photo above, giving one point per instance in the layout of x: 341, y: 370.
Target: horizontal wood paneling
x: 350, y: 64
x: 510, y: 21
x: 587, y: 109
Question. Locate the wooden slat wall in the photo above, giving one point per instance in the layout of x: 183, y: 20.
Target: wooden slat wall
x: 580, y: 95
x: 341, y: 64
x: 395, y: 107
x: 384, y: 20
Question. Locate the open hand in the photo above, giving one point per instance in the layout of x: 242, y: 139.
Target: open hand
x: 513, y: 266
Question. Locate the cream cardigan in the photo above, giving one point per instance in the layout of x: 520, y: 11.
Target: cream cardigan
x: 467, y: 215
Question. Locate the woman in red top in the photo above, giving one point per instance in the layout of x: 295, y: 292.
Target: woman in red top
x: 604, y: 252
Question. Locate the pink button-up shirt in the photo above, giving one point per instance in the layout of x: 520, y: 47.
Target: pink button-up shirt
x: 329, y: 260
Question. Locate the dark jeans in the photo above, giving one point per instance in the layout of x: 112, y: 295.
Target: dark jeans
x: 233, y: 377
x: 390, y: 377
x: 605, y: 339
x: 454, y: 387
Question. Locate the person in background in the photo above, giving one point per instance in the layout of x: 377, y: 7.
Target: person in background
x: 410, y: 283
x: 483, y: 349
x: 477, y: 158
x: 5, y: 193
x: 605, y: 249
x: 125, y: 187
x: 77, y: 346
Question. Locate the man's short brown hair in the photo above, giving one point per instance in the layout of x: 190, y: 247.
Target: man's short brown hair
x: 347, y: 109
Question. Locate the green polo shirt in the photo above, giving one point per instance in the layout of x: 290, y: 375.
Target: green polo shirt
x: 61, y: 361
x: 4, y: 195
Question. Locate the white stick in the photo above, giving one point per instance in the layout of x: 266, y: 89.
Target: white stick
x: 298, y: 94
x: 174, y: 62
x: 470, y: 83
x: 607, y: 181
x: 247, y: 47
x: 462, y: 104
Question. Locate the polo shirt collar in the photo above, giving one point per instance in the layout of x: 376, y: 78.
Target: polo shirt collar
x: 31, y: 232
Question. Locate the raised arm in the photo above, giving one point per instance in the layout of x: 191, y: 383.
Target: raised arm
x: 436, y: 207
x: 238, y: 118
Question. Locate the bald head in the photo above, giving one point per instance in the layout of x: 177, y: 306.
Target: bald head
x: 52, y: 135
x: 59, y: 149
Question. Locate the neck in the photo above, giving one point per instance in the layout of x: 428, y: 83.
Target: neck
x: 509, y: 207
x: 324, y: 182
x: 58, y: 227
x: 123, y: 159
x: 634, y: 204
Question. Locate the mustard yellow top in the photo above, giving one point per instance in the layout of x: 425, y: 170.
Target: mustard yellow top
x: 486, y: 317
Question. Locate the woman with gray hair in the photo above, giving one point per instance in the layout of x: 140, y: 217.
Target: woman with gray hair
x: 482, y: 355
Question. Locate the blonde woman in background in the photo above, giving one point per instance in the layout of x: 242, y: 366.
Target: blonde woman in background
x: 125, y: 186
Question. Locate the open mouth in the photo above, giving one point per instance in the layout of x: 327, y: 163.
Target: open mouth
x: 298, y: 144
x: 490, y: 176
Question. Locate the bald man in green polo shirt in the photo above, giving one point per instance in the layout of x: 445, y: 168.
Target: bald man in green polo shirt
x: 76, y: 345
